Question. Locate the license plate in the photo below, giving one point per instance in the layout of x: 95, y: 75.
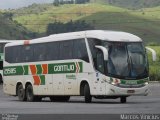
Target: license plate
x: 131, y: 91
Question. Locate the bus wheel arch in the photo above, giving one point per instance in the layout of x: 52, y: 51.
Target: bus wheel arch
x: 82, y: 87
x: 27, y: 83
x: 85, y: 91
x: 20, y: 91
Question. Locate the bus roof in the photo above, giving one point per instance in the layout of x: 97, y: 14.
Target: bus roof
x: 116, y: 36
x: 7, y: 41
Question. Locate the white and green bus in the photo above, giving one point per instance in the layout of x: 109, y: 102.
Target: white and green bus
x: 95, y: 63
x: 2, y: 44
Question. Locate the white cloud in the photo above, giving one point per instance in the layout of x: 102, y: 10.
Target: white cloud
x: 5, y: 4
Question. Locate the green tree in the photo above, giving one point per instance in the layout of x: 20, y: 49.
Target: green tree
x: 56, y: 2
x: 58, y: 27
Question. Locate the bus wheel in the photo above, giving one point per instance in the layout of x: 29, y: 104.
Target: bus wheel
x: 29, y: 93
x: 123, y: 99
x: 87, y: 95
x: 21, y: 93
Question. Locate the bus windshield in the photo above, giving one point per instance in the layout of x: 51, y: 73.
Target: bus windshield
x: 126, y: 60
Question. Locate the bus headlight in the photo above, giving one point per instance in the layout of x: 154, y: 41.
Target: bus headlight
x: 115, y: 82
x: 146, y: 83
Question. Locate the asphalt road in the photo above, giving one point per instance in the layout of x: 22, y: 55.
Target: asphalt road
x: 135, y: 105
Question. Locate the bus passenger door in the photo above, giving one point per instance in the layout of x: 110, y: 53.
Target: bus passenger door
x: 99, y: 86
x: 100, y: 78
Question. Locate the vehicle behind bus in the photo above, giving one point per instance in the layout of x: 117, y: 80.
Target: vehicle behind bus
x: 2, y: 44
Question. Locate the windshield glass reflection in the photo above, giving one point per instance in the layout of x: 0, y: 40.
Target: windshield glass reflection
x: 126, y: 60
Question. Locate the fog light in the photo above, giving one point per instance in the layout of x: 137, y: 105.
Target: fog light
x: 146, y: 83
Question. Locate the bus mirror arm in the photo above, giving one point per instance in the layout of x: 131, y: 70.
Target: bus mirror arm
x: 154, y: 56
x: 104, y: 50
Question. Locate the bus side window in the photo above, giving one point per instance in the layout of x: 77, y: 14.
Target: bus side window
x: 9, y: 54
x: 28, y: 53
x: 39, y: 52
x: 66, y: 50
x: 13, y: 54
x: 92, y: 43
x: 52, y: 52
x: 80, y: 50
x: 17, y: 54
x: 100, y: 62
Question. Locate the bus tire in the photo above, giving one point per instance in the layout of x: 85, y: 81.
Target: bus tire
x: 29, y: 93
x: 87, y: 95
x: 123, y: 99
x: 21, y: 93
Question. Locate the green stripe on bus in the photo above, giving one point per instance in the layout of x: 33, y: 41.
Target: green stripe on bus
x: 42, y: 77
x: 81, y: 66
x: 25, y: 69
x: 39, y: 69
x: 134, y: 82
x: 70, y: 67
x: 16, y: 70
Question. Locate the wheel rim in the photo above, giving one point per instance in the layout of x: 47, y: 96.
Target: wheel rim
x: 20, y: 93
x: 29, y: 94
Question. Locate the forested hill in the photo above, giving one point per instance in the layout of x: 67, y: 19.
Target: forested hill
x: 54, y: 19
x: 43, y: 19
x: 131, y: 4
x: 10, y: 29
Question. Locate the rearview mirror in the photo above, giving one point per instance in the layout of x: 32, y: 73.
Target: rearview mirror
x: 154, y: 56
x: 104, y: 50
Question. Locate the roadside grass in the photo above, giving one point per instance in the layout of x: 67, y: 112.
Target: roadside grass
x: 154, y: 67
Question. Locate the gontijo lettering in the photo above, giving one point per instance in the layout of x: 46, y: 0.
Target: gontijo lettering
x: 64, y: 68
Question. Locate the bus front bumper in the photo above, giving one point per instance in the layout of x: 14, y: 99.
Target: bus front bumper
x: 119, y: 91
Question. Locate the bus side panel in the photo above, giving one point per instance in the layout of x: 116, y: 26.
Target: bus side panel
x: 29, y: 79
x: 58, y: 84
x: 98, y: 84
x: 93, y: 83
x: 45, y: 85
x: 71, y: 84
x: 10, y: 83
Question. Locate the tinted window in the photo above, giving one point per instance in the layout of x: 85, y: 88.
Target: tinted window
x: 73, y: 49
x: 39, y: 52
x: 17, y: 55
x: 52, y: 51
x: 27, y: 53
x: 92, y: 44
x: 13, y: 54
x: 80, y: 50
x: 66, y: 50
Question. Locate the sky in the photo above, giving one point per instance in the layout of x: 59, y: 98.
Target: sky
x: 12, y: 4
